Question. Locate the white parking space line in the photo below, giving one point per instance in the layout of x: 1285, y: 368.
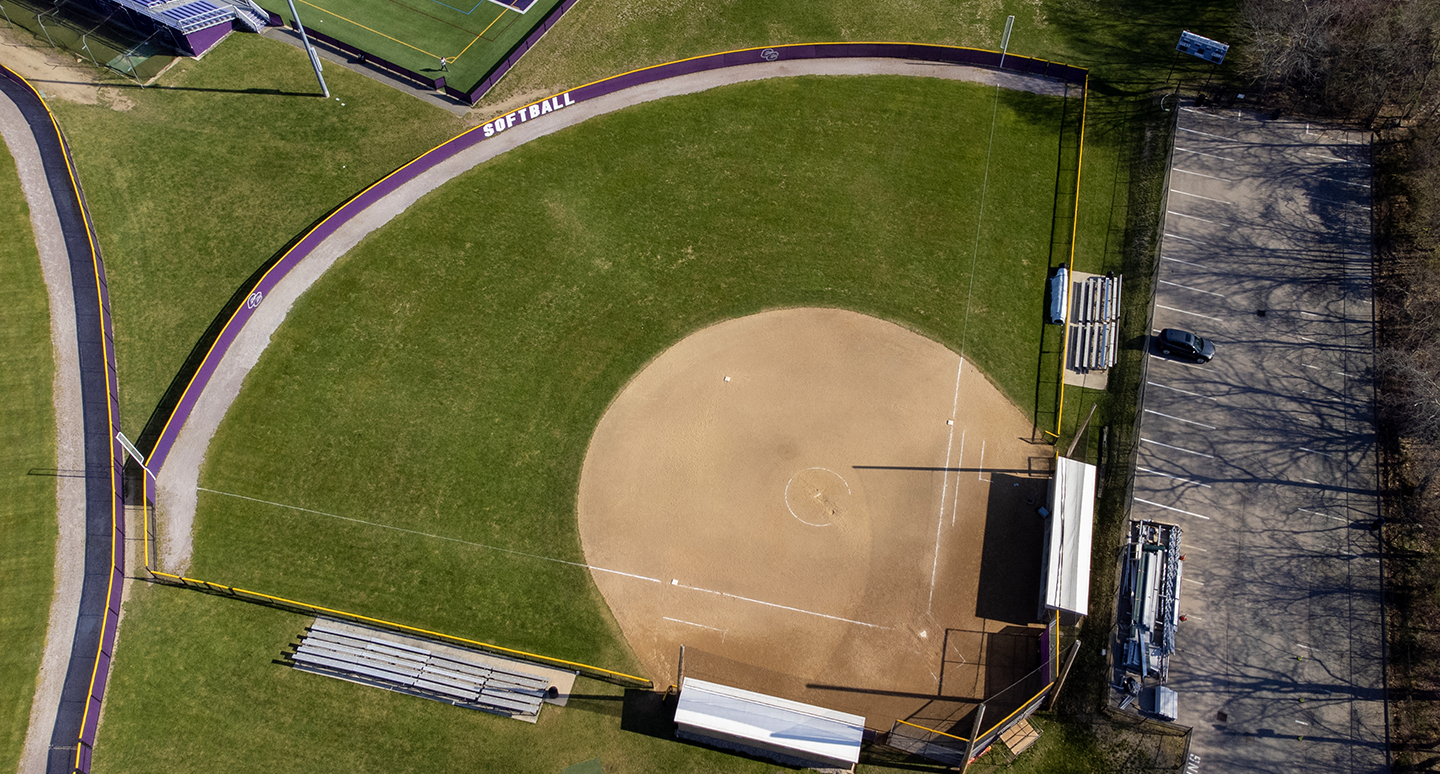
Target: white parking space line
x: 1202, y: 174
x: 1341, y: 182
x: 1328, y: 157
x: 1181, y: 238
x: 1187, y: 287
x: 1203, y: 153
x: 1182, y: 311
x: 1179, y: 448
x: 1207, y: 134
x: 1312, y: 451
x: 1168, y: 508
x: 1192, y: 580
x: 1178, y: 419
x: 1191, y: 217
x: 1167, y: 475
x: 1198, y: 196
x: 1187, y: 263
x: 1176, y: 362
x: 1318, y: 513
x: 1177, y: 389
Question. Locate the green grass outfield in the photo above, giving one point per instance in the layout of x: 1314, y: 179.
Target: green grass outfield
x: 445, y: 378
x: 474, y: 35
x: 27, y: 441
x: 213, y: 171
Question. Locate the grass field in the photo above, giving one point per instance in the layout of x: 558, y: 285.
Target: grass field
x: 446, y: 376
x: 472, y: 34
x: 211, y: 173
x: 27, y: 441
x: 200, y: 694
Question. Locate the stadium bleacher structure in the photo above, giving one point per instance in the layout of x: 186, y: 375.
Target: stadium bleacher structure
x: 492, y: 685
x: 189, y: 27
x: 1095, y: 327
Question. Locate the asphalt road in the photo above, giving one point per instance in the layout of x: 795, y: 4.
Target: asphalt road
x: 1266, y: 456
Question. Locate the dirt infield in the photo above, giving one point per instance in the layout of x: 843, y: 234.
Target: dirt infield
x: 784, y: 495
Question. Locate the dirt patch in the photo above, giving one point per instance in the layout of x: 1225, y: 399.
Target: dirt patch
x: 807, y: 500
x: 55, y: 72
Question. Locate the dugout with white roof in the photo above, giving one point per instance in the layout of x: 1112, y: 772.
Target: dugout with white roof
x: 786, y: 731
x: 1067, y: 540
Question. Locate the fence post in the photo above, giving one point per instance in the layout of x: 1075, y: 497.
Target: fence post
x: 974, y: 734
x: 1069, y: 660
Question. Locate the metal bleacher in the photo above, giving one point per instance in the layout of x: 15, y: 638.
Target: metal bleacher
x: 1096, y: 326
x: 336, y: 651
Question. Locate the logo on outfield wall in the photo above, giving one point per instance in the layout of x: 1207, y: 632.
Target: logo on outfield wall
x: 254, y: 300
x: 769, y: 54
x: 526, y: 113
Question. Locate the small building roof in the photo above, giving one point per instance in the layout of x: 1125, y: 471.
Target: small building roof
x: 1072, y: 516
x: 769, y: 722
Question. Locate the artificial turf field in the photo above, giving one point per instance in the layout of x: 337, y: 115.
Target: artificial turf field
x: 472, y: 35
x: 444, y: 378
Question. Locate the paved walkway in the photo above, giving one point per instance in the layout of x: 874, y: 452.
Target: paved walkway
x: 1266, y: 456
x: 85, y: 608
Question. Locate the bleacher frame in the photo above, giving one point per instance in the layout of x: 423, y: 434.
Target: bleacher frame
x: 334, y: 649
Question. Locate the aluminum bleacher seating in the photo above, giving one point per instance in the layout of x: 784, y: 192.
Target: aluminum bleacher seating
x: 337, y: 651
x: 1095, y: 331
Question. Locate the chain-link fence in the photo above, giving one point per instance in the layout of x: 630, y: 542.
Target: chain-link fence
x: 95, y: 36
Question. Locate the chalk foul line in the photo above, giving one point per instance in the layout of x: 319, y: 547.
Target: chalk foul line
x: 680, y: 585
x: 428, y: 535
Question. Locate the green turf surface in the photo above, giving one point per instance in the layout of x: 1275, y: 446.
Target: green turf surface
x: 472, y: 34
x: 213, y: 171
x: 446, y: 377
x: 27, y: 442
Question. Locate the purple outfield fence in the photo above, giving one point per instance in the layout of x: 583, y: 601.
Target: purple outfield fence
x: 381, y: 62
x: 104, y: 569
x: 918, y: 51
x: 537, y: 111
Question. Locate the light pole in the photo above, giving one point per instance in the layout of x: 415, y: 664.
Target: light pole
x: 314, y: 58
x: 1005, y: 39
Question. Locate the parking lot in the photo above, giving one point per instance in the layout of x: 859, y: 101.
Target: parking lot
x: 1266, y: 456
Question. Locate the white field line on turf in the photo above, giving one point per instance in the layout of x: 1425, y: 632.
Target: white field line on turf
x: 1168, y: 508
x: 945, y: 487
x: 1167, y: 475
x: 781, y: 607
x: 429, y: 535
x: 1178, y: 419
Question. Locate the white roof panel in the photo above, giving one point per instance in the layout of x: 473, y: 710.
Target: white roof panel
x: 1072, y: 516
x: 771, y: 721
